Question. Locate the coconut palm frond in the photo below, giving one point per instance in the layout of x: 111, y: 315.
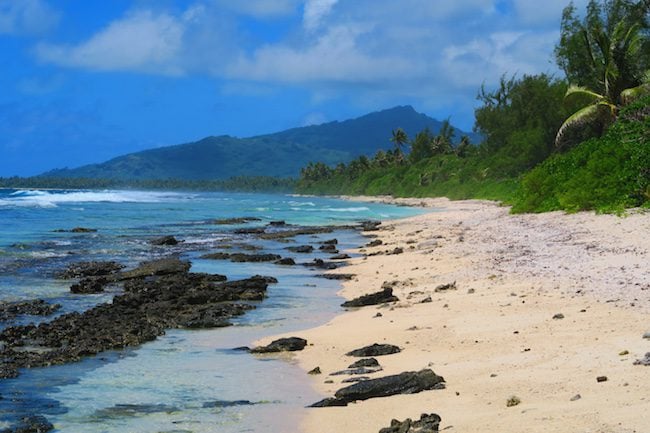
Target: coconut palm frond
x: 581, y: 117
x: 629, y: 95
x: 574, y: 92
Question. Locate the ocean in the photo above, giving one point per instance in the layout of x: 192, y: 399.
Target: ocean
x: 186, y: 380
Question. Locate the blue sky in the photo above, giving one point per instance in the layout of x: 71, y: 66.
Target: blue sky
x: 84, y: 81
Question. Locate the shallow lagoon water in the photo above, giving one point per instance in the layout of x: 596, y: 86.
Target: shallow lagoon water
x: 180, y: 381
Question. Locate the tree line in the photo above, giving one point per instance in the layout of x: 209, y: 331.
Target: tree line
x: 529, y: 123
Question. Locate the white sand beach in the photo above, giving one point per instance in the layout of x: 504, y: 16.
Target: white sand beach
x: 495, y: 336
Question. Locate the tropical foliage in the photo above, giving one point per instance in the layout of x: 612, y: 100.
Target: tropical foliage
x: 606, y: 58
x: 526, y: 124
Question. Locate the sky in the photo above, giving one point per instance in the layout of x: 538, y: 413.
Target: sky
x: 85, y: 81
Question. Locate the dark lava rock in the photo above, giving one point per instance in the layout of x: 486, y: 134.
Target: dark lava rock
x: 36, y: 307
x: 241, y: 257
x: 340, y: 257
x: 558, y: 316
x: 31, y: 424
x: 426, y: 424
x: 601, y: 379
x: 227, y: 403
x: 380, y: 297
x: 290, y: 344
x: 328, y: 248
x: 336, y: 276
x: 128, y: 409
x: 410, y: 382
x: 314, y: 371
x: 165, y: 266
x: 278, y: 223
x: 284, y: 234
x: 366, y: 362
x: 330, y: 242
x: 321, y: 264
x: 303, y: 249
x: 232, y: 221
x: 643, y: 361
x: 445, y: 287
x: 359, y: 370
x: 165, y: 240
x: 250, y: 231
x: 375, y: 243
x: 76, y: 230
x: 375, y: 350
x: 370, y: 226
x: 397, y: 250
x: 89, y: 285
x: 90, y: 269
x: 286, y: 261
x: 150, y: 304
x: 355, y: 379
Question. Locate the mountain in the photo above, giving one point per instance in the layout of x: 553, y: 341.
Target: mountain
x: 280, y: 154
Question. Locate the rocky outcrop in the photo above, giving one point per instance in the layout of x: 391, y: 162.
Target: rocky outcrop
x: 336, y: 276
x: 290, y: 344
x: 410, y: 382
x: 285, y: 261
x: 374, y: 350
x: 158, y: 295
x: 241, y: 257
x: 428, y: 423
x: 302, y: 249
x: 233, y: 221
x: 381, y: 297
x: 90, y: 269
x: 36, y: 307
x: 165, y: 240
x: 321, y: 264
x: 31, y: 424
x: 89, y: 285
x: 370, y: 226
x: 365, y: 362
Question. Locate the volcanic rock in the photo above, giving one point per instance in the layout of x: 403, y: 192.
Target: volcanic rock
x: 380, y: 297
x: 290, y: 344
x: 374, y: 350
x: 410, y: 382
x: 426, y: 424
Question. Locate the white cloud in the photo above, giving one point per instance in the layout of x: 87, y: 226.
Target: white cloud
x: 367, y: 51
x: 333, y: 57
x: 26, y: 17
x: 142, y: 41
x: 315, y: 11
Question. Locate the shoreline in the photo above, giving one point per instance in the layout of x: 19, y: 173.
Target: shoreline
x: 544, y: 304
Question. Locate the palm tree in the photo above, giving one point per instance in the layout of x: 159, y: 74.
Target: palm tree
x: 611, y: 55
x: 400, y: 139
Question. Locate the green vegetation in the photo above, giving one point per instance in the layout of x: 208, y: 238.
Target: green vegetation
x: 577, y: 143
x: 281, y: 154
x: 238, y: 184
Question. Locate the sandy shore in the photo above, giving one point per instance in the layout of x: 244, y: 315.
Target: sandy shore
x: 495, y: 335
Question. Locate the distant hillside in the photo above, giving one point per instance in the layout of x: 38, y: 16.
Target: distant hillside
x: 280, y: 154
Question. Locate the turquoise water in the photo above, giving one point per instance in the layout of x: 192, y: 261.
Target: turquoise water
x: 171, y: 384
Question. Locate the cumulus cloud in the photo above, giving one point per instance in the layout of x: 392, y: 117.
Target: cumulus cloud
x: 26, y: 17
x: 315, y: 11
x: 142, y: 41
x: 367, y: 50
x: 333, y: 57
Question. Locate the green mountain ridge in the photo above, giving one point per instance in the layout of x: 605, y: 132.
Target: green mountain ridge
x: 280, y: 154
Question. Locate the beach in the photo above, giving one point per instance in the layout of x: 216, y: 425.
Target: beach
x: 547, y: 311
